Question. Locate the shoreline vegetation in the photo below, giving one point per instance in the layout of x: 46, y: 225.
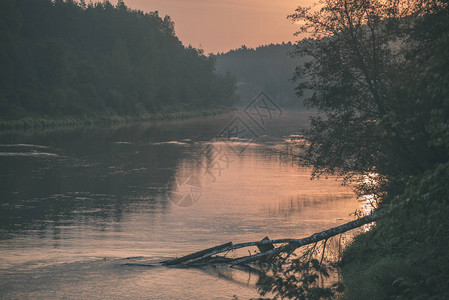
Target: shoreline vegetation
x: 69, y: 63
x: 37, y: 123
x: 379, y: 72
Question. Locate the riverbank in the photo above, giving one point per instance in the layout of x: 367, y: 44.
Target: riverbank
x: 43, y: 122
x: 405, y: 256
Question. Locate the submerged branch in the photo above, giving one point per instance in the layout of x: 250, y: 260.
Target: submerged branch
x: 289, y: 245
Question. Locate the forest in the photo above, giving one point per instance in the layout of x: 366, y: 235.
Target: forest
x: 266, y: 68
x: 68, y: 59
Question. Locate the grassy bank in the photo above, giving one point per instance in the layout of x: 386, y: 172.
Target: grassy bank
x: 405, y: 256
x: 43, y: 122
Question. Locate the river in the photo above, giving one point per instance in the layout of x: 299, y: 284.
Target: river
x: 89, y: 213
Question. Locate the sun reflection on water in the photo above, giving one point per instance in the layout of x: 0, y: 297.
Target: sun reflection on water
x: 370, y: 201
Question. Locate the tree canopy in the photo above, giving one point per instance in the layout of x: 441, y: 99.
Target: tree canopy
x: 379, y: 76
x: 369, y: 73
x: 69, y: 58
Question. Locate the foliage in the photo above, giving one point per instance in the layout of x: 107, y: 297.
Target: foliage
x: 68, y: 58
x: 268, y: 68
x: 306, y: 275
x: 299, y: 280
x: 364, y: 57
x: 406, y: 256
x: 379, y: 76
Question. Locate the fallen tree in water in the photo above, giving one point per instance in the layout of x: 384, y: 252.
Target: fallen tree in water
x: 265, y: 246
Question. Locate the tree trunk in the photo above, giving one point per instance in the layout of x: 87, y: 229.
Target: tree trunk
x: 290, y: 244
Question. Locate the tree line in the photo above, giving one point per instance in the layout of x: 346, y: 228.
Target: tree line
x: 62, y: 58
x: 266, y: 68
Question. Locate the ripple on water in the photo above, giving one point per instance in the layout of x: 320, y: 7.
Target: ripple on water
x: 28, y: 154
x: 24, y: 145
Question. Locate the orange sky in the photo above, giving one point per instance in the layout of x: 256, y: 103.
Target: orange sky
x: 221, y: 25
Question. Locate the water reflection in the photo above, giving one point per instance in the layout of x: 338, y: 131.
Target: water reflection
x: 108, y: 193
x: 97, y: 171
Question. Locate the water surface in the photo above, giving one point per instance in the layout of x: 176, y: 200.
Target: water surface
x: 89, y: 213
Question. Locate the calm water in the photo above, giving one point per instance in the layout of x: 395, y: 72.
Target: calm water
x: 89, y: 213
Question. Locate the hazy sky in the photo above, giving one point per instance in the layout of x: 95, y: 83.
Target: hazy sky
x: 221, y: 25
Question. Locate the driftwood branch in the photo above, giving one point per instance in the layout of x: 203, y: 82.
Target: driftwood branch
x: 289, y: 244
x: 195, y: 255
x: 294, y: 244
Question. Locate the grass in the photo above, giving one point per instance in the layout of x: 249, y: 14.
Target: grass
x: 45, y: 122
x: 373, y: 272
x: 405, y: 256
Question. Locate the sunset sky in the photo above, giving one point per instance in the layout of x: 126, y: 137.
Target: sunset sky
x: 218, y: 26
